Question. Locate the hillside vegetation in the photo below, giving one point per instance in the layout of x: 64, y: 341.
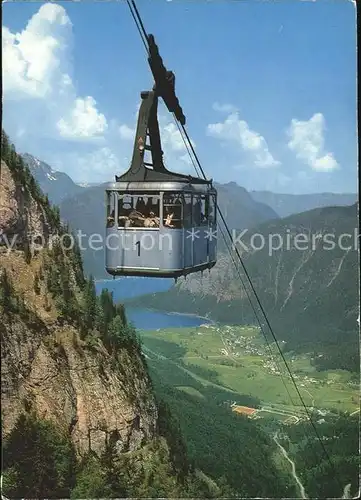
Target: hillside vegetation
x: 311, y: 296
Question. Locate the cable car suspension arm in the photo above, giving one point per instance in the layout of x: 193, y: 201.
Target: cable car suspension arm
x: 164, y: 80
x: 148, y: 126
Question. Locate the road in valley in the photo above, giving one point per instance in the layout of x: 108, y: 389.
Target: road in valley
x: 285, y: 454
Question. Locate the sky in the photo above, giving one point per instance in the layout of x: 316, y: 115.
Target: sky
x: 268, y: 88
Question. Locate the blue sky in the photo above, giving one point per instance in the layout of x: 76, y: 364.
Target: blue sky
x: 268, y: 88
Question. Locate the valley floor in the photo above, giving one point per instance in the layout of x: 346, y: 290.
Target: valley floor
x: 233, y: 367
x: 237, y: 360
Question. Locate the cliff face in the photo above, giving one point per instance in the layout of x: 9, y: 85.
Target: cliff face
x: 20, y: 214
x: 48, y: 365
x: 45, y: 369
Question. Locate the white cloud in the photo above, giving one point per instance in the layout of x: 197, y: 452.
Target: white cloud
x: 176, y: 157
x: 99, y: 165
x: 237, y: 131
x: 326, y: 163
x: 41, y: 104
x: 307, y: 142
x: 224, y: 108
x: 187, y: 160
x: 171, y: 138
x: 36, y: 68
x: 283, y: 180
x: 127, y: 133
x: 83, y: 121
x: 32, y: 59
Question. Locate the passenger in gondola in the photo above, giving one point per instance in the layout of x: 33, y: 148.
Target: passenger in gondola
x: 111, y: 219
x: 168, y: 219
x: 122, y: 214
x: 141, y: 206
x: 152, y: 220
x: 148, y: 207
x: 123, y: 219
x: 151, y: 213
x: 136, y: 218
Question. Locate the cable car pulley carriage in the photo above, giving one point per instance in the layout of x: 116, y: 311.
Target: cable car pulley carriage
x: 159, y: 223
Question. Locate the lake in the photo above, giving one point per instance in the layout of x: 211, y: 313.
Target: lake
x: 146, y: 319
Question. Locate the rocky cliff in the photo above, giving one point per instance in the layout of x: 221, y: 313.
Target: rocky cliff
x: 71, y: 361
x: 46, y: 364
x: 20, y: 214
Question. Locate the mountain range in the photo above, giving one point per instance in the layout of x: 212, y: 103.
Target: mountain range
x: 60, y: 186
x: 288, y: 204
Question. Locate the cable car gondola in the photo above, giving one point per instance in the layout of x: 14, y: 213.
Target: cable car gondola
x: 159, y: 223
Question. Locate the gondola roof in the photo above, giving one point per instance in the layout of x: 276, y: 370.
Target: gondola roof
x: 144, y: 174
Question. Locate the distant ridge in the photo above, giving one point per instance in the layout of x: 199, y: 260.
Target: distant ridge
x: 289, y: 204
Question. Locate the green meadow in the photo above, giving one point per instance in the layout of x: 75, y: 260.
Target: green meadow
x: 238, y: 361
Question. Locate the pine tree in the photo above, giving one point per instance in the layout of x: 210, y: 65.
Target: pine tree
x: 4, y: 147
x: 115, y: 486
x: 78, y: 264
x: 115, y: 333
x: 90, y: 305
x: 90, y: 482
x: 120, y: 311
x: 12, y: 158
x: 107, y: 311
x: 27, y: 251
x: 40, y: 458
x: 5, y: 290
x: 36, y: 284
x: 55, y: 212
